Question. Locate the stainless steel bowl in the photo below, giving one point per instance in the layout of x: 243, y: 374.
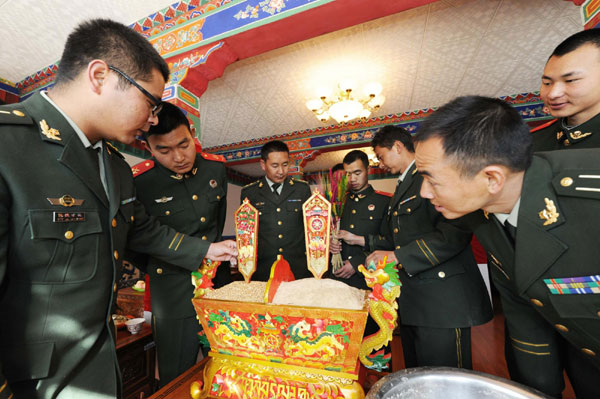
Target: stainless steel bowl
x: 448, y: 383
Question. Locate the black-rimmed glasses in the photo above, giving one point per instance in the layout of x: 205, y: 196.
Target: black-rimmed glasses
x: 157, y: 102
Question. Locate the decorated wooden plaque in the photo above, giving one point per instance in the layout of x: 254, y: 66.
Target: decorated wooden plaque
x: 246, y: 233
x: 317, y: 227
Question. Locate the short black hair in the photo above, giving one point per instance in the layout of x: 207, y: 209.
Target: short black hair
x: 273, y: 146
x: 388, y: 135
x: 115, y: 44
x: 170, y: 118
x: 337, y: 167
x: 573, y: 42
x: 479, y: 131
x: 356, y: 155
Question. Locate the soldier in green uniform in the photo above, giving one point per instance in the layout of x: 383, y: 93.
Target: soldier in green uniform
x: 68, y: 212
x: 278, y: 199
x: 363, y: 212
x: 187, y: 191
x: 443, y: 293
x: 571, y: 91
x: 540, y: 226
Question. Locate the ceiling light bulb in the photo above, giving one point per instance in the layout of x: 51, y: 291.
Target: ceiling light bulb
x: 323, y: 92
x: 372, y: 89
x: 314, y: 105
x: 347, y: 85
x: 364, y: 114
x: 377, y: 101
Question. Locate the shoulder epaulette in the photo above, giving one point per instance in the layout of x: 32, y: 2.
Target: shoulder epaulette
x: 14, y: 117
x: 542, y: 126
x: 212, y: 157
x: 114, y: 149
x: 142, y: 167
x: 298, y: 180
x: 250, y: 184
x: 383, y: 193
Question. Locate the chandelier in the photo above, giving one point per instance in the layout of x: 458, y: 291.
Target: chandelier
x: 343, y: 105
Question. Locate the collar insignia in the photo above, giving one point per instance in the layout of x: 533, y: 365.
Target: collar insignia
x: 260, y: 185
x: 213, y: 183
x: 578, y: 135
x: 550, y: 215
x: 194, y: 171
x: 163, y: 200
x: 49, y: 132
x: 486, y: 214
x: 66, y: 201
x: 178, y: 176
x: 559, y: 135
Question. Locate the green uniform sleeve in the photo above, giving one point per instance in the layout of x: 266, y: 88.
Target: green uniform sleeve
x: 5, y: 391
x: 434, y: 248
x: 162, y: 242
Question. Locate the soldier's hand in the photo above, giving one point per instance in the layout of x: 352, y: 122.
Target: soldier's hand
x: 351, y: 238
x: 223, y: 251
x: 335, y: 247
x: 345, y: 271
x: 380, y: 256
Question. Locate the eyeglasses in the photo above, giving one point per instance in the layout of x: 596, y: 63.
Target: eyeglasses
x: 157, y: 103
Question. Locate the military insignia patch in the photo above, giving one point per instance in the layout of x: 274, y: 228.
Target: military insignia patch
x: 127, y: 201
x: 576, y: 135
x: 163, y: 200
x: 549, y: 215
x: 213, y: 183
x: 66, y: 201
x: 49, y: 132
x: 64, y: 217
x: 371, y: 207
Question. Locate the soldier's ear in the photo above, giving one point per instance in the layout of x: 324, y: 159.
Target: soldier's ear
x: 495, y: 178
x: 263, y: 165
x: 97, y: 71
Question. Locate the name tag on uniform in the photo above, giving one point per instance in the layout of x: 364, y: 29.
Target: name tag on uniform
x: 63, y: 217
x: 574, y: 285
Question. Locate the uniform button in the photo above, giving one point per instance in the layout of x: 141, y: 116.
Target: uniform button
x: 280, y: 249
x: 397, y: 246
x: 114, y: 223
x: 353, y: 211
x: 370, y: 217
x: 279, y: 222
x: 356, y: 199
x: 562, y: 328
x: 588, y: 352
x: 218, y: 197
x: 349, y: 257
x: 441, y: 274
x: 194, y: 197
x: 115, y: 287
x: 159, y: 271
x: 204, y: 238
x: 408, y: 210
x: 167, y: 213
x: 396, y: 230
x: 536, y: 302
x: 280, y: 236
x: 116, y: 255
x: 296, y: 209
x: 395, y: 213
x: 203, y: 219
x: 351, y: 226
x: 68, y: 234
x: 598, y: 313
x: 278, y: 209
x: 259, y: 213
x: 132, y: 218
x: 566, y: 181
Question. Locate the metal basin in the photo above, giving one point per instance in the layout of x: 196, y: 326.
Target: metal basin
x: 448, y: 383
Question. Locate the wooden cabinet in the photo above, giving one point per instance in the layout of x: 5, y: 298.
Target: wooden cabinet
x: 136, y: 355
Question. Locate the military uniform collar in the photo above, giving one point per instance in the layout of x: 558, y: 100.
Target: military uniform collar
x: 406, y: 171
x: 364, y: 193
x: 512, y: 217
x: 177, y: 176
x: 568, y: 135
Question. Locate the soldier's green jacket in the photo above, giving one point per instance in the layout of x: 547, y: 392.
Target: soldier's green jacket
x: 553, y: 136
x: 362, y: 215
x: 529, y: 277
x: 194, y: 204
x: 441, y: 283
x: 280, y: 225
x: 58, y: 278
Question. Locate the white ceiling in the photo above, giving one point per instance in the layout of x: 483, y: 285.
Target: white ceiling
x: 423, y: 57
